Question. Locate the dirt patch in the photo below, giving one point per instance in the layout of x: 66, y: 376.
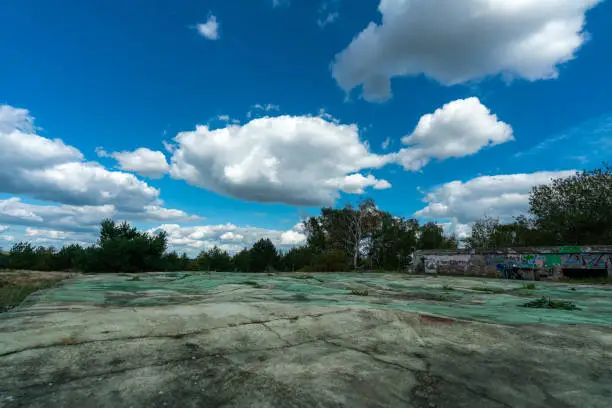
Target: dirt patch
x: 15, y: 286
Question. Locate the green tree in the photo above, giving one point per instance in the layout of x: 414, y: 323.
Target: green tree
x: 431, y: 236
x: 486, y: 234
x: 394, y: 242
x: 263, y: 256
x: 242, y: 261
x: 575, y: 209
x: 122, y: 248
x: 22, y: 255
x: 296, y: 258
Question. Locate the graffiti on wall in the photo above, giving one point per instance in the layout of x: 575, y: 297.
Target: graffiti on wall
x: 587, y: 260
x: 437, y: 263
x: 563, y: 260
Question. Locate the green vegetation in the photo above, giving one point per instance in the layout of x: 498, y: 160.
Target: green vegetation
x: 548, y: 303
x: 574, y: 210
x: 447, y: 288
x: 359, y: 291
x: 11, y: 295
x: 488, y: 290
x: 528, y: 286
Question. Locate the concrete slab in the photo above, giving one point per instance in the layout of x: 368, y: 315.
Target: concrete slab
x: 243, y: 340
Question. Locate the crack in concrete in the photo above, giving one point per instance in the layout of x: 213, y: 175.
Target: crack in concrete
x: 174, y: 336
x: 376, y: 358
x: 275, y: 332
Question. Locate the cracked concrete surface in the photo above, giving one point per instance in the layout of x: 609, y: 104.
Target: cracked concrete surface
x: 242, y: 353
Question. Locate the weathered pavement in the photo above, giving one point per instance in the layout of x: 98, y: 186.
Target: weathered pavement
x: 235, y: 345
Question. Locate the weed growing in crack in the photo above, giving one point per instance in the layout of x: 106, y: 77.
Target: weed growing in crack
x: 359, y: 292
x: 488, y: 290
x: 548, y: 303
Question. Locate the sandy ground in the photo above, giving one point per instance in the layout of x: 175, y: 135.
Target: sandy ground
x: 233, y: 340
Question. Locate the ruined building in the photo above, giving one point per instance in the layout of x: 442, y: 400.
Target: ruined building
x: 531, y: 263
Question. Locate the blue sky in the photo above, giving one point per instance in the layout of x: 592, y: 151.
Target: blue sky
x: 515, y: 95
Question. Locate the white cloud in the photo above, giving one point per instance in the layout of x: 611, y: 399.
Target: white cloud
x: 385, y: 144
x: 502, y: 196
x: 298, y: 160
x: 210, y: 29
x: 292, y: 238
x: 459, y: 128
x: 231, y: 237
x: 459, y: 41
x: 259, y: 108
x: 278, y: 3
x: 357, y: 183
x: 80, y: 218
x: 51, y: 170
x: 328, y: 19
x: 143, y: 161
x: 47, y: 233
x: 228, y: 237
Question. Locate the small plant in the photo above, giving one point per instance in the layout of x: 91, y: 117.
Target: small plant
x: 548, y: 303
x: 528, y: 286
x: 251, y: 283
x: 300, y: 297
x: 443, y: 298
x: 447, y: 287
x: 359, y: 292
x: 134, y: 279
x: 488, y: 290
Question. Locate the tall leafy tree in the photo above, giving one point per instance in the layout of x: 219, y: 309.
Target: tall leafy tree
x: 431, y: 236
x: 575, y: 209
x: 263, y: 256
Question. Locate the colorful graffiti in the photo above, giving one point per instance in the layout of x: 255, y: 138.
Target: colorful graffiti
x: 438, y: 263
x: 587, y: 260
x: 564, y: 260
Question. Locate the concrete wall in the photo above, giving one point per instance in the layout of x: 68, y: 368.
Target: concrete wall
x: 532, y: 263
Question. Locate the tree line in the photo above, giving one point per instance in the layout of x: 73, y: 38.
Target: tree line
x: 575, y: 210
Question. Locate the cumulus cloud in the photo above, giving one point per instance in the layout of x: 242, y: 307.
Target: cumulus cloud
x: 299, y: 160
x: 386, y: 143
x: 328, y: 12
x: 143, y: 161
x: 502, y: 196
x: 51, y: 170
x: 357, y: 183
x: 228, y: 237
x: 459, y: 41
x: 278, y: 3
x: 210, y: 29
x: 80, y: 218
x: 459, y: 128
x: 262, y: 109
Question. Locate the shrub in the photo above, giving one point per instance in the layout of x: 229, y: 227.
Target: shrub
x: 359, y: 292
x: 548, y: 303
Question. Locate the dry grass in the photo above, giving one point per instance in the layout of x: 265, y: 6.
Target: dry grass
x: 18, y: 285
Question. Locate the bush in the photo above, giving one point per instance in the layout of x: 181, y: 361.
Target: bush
x: 359, y: 292
x: 548, y: 303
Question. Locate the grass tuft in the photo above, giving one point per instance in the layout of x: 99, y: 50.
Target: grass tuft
x: 488, y: 290
x: 12, y: 295
x: 528, y: 286
x: 548, y: 303
x: 359, y: 292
